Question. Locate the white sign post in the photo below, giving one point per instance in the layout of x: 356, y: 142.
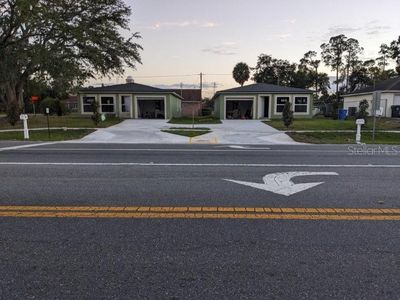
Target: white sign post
x: 24, y: 118
x: 359, y: 123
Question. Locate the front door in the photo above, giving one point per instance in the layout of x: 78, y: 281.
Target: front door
x: 266, y: 107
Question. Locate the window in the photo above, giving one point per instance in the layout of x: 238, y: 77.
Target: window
x: 280, y: 103
x: 107, y: 104
x: 300, y: 104
x: 125, y: 103
x: 87, y: 104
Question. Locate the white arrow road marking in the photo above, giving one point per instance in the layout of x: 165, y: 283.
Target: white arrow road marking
x: 247, y: 147
x: 281, y: 183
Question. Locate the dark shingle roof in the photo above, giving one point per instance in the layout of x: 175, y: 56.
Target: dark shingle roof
x: 392, y: 84
x: 264, y: 88
x: 128, y: 88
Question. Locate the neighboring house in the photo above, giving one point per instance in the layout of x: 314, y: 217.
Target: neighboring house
x: 389, y: 91
x: 71, y: 103
x: 131, y: 100
x: 261, y: 101
x: 191, y: 102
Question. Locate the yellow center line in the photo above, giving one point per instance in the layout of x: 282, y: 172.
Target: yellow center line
x: 200, y: 212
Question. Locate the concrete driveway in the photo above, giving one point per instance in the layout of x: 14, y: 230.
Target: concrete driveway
x: 149, y: 132
x: 136, y: 132
x: 246, y: 132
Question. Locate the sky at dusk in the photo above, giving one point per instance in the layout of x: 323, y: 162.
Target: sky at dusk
x: 183, y: 37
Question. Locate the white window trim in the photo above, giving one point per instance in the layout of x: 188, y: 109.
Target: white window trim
x: 151, y: 97
x: 114, y: 103
x: 276, y: 102
x: 241, y: 98
x: 83, y: 96
x: 120, y: 103
x: 395, y: 95
x: 308, y: 105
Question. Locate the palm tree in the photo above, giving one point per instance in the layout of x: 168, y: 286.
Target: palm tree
x: 241, y: 73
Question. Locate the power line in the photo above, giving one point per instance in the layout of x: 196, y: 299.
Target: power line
x: 163, y: 76
x: 182, y: 75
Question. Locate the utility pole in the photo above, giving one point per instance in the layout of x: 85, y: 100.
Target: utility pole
x: 181, y: 88
x: 375, y: 96
x: 215, y: 87
x: 201, y: 81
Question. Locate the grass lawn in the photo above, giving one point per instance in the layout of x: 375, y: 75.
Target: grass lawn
x: 187, y: 132
x: 197, y: 120
x: 345, y: 137
x: 71, y: 121
x: 42, y: 135
x: 329, y: 124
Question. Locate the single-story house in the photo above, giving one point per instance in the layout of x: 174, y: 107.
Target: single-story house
x: 71, y: 103
x: 131, y: 100
x: 191, y: 101
x: 388, y: 91
x: 262, y: 101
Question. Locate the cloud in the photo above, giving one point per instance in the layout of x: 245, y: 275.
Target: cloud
x: 370, y: 28
x: 182, y: 24
x: 226, y: 48
x: 377, y: 30
x: 291, y: 21
x: 336, y: 30
x: 283, y: 36
x: 280, y: 37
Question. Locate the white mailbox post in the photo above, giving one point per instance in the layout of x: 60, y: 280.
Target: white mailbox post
x: 359, y: 123
x: 24, y: 118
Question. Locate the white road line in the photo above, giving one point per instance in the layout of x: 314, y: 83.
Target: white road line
x: 187, y: 150
x: 191, y: 165
x: 26, y: 146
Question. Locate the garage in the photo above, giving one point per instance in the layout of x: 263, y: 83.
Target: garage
x: 131, y: 100
x: 151, y: 108
x: 239, y: 108
x: 261, y: 101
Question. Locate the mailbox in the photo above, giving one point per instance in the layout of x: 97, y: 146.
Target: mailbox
x: 360, y: 121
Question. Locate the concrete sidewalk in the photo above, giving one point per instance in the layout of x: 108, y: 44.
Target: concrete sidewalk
x: 149, y: 132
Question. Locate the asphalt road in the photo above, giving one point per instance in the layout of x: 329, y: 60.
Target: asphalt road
x: 187, y: 257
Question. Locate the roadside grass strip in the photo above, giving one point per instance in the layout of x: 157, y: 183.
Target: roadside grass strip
x: 43, y: 135
x: 202, y: 212
x: 337, y: 137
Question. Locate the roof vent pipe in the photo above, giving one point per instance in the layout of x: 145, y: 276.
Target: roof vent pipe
x: 129, y: 79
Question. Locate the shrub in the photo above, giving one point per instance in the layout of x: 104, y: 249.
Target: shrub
x: 287, y: 114
x: 13, y: 112
x: 206, y: 112
x: 55, y: 106
x: 96, y: 117
x: 362, y: 110
x: 335, y: 110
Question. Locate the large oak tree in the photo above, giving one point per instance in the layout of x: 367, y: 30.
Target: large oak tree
x: 63, y: 42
